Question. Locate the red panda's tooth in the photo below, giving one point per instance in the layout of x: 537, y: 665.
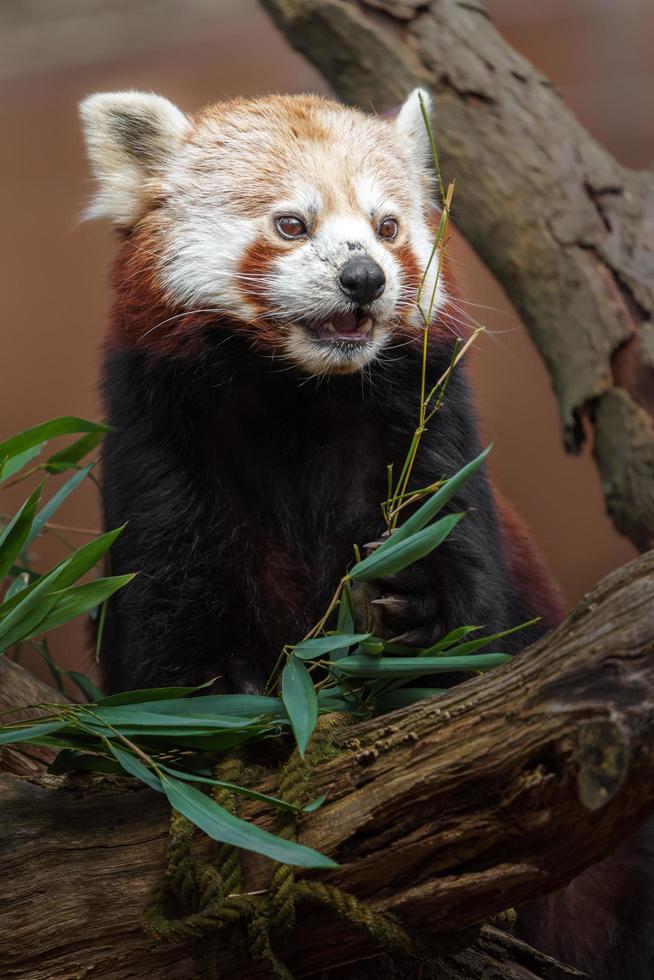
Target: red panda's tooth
x: 364, y: 326
x: 328, y: 328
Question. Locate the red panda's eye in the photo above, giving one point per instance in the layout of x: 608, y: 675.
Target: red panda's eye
x: 388, y: 229
x: 290, y: 227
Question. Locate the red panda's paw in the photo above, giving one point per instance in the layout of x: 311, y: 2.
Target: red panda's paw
x: 405, y: 607
x: 243, y: 676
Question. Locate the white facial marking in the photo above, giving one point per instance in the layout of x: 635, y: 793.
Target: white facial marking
x: 222, y: 184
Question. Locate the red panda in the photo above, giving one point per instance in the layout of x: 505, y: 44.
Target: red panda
x: 262, y: 370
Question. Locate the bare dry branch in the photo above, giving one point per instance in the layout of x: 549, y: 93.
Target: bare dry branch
x: 567, y: 231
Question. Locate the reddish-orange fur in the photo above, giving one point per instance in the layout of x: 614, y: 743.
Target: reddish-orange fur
x: 141, y: 315
x: 258, y: 261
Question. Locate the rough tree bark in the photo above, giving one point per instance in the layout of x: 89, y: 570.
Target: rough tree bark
x: 567, y: 231
x: 504, y: 788
x: 18, y: 687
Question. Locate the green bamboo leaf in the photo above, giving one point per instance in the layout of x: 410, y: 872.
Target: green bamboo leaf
x: 14, y: 464
x: 29, y: 608
x: 453, y: 637
x: 321, y: 646
x: 43, y: 607
x: 179, y: 734
x: 84, y: 559
x: 349, y: 707
x: 408, y: 667
x: 299, y: 696
x: 70, y: 570
x: 135, y: 716
x: 427, y: 511
x: 101, y: 616
x: 55, y: 671
x: 71, y: 455
x: 56, y: 742
x: 15, y: 535
x: 150, y: 694
x: 87, y: 733
x: 471, y: 646
x: 71, y: 760
x: 85, y: 685
x: 10, y: 735
x: 134, y: 767
x: 333, y: 699
x: 402, y: 649
x: 315, y: 804
x: 372, y: 648
x: 167, y: 733
x: 345, y: 622
x: 222, y: 826
x: 403, y: 553
x: 65, y: 425
x: 56, y: 501
x: 80, y: 599
x: 247, y: 707
x: 73, y: 739
x: 21, y: 582
x: 251, y: 794
x: 27, y: 626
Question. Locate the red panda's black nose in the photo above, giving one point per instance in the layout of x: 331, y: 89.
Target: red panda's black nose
x: 362, y: 279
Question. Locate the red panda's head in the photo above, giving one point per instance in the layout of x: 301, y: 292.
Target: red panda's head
x: 306, y: 223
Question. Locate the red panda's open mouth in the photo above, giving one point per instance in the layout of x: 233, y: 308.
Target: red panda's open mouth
x: 352, y: 327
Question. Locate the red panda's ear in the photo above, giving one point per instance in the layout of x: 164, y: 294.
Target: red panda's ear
x: 130, y: 137
x: 412, y: 130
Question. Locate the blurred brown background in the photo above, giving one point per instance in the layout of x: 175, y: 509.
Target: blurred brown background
x: 599, y: 53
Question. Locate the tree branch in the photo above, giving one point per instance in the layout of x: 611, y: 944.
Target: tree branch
x: 18, y: 688
x: 505, y: 788
x: 567, y: 231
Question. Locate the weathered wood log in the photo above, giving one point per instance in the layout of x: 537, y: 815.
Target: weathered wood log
x: 505, y: 788
x: 567, y: 231
x: 18, y: 688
